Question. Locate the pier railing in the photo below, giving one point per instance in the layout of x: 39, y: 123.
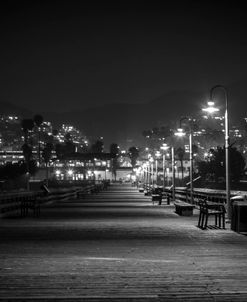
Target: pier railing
x: 12, y: 203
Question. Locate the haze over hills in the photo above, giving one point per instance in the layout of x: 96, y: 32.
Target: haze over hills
x: 124, y: 123
x: 9, y: 108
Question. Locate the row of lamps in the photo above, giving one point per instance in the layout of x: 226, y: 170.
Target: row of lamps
x: 180, y: 132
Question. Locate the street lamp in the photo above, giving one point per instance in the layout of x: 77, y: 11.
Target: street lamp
x: 151, y: 160
x: 173, y: 174
x: 180, y: 132
x: 212, y: 109
x: 164, y: 147
x: 157, y: 156
x: 144, y: 169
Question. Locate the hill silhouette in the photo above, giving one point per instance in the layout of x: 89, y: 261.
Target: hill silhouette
x: 124, y: 123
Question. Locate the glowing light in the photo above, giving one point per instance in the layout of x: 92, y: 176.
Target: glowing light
x: 164, y: 147
x: 70, y: 172
x: 157, y: 154
x: 180, y: 132
x: 211, y: 109
x: 133, y: 177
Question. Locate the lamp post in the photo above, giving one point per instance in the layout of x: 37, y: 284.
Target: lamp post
x: 152, y: 170
x: 164, y: 147
x: 212, y: 109
x: 173, y: 175
x: 182, y: 133
x: 148, y: 174
x: 145, y: 174
x: 157, y: 156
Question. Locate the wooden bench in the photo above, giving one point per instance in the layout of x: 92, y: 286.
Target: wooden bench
x: 210, y: 208
x: 157, y: 197
x: 184, y: 208
x: 166, y: 196
x: 147, y: 193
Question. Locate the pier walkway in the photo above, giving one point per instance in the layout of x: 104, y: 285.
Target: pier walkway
x: 117, y: 246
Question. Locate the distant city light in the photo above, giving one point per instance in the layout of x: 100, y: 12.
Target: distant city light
x: 70, y: 172
x: 58, y: 172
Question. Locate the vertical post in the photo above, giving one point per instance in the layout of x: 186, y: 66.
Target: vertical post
x: 148, y: 173
x: 164, y: 158
x: 173, y: 175
x: 227, y: 141
x: 191, y: 156
x: 145, y: 175
x: 152, y: 172
x: 228, y: 204
x: 156, y: 171
x: 191, y: 168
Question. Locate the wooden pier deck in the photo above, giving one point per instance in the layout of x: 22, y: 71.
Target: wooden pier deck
x: 117, y: 246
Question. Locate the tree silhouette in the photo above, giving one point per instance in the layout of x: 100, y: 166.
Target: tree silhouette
x: 27, y: 152
x: 59, y: 149
x: 54, y: 132
x: 47, y: 153
x: 133, y: 154
x: 38, y: 120
x: 12, y: 171
x: 97, y: 147
x: 114, y: 149
x: 27, y: 125
x: 215, y: 165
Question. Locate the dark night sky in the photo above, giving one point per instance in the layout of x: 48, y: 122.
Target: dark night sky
x: 69, y: 56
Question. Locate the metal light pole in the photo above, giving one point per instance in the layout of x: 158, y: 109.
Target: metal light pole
x: 156, y: 171
x: 157, y: 156
x: 164, y: 148
x: 173, y: 175
x: 191, y: 168
x: 144, y: 174
x: 182, y: 133
x: 148, y: 174
x: 164, y: 167
x: 152, y: 172
x: 227, y: 141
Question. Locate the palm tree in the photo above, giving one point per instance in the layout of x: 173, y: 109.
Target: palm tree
x: 97, y: 147
x: 114, y: 149
x: 27, y: 125
x: 38, y: 120
x: 47, y: 152
x: 133, y: 154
